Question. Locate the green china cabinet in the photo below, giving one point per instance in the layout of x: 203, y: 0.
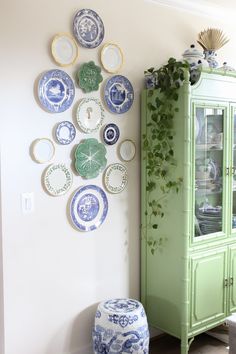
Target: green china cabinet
x: 188, y: 285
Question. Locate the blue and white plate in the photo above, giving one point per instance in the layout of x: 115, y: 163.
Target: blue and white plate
x: 65, y: 132
x: 88, y: 208
x: 119, y: 94
x: 88, y: 28
x: 56, y: 91
x: 111, y: 134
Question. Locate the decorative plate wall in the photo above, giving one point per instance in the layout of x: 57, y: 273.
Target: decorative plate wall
x: 111, y: 58
x: 43, y: 150
x: 119, y: 94
x: 90, y: 115
x: 65, y: 132
x: 57, y: 179
x: 88, y: 28
x: 89, y: 77
x: 64, y: 49
x: 115, y: 178
x: 88, y: 208
x: 56, y: 91
x: 90, y: 158
x: 127, y: 150
x: 111, y: 134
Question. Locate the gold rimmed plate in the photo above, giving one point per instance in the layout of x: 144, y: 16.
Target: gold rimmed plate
x: 112, y: 58
x: 43, y: 150
x: 64, y: 49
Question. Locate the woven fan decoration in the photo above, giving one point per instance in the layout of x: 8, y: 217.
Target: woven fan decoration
x: 212, y: 39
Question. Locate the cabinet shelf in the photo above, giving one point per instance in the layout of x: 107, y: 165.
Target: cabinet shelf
x: 203, y: 192
x: 209, y: 147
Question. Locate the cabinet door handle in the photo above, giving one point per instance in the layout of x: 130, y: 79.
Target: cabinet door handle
x: 231, y: 281
x: 227, y: 171
x: 233, y: 169
x: 225, y: 282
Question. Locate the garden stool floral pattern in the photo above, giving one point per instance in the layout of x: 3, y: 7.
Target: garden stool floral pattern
x: 120, y: 327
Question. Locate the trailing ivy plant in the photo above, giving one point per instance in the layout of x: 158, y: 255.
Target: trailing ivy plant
x: 158, y: 145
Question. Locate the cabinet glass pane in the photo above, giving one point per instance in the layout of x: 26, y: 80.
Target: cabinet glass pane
x: 234, y: 173
x: 208, y: 170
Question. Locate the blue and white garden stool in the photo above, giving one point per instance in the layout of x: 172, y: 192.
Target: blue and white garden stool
x: 120, y: 327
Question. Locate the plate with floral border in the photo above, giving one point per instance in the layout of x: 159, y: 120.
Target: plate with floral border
x: 65, y: 132
x: 115, y: 178
x: 90, y: 115
x: 119, y: 94
x: 88, y: 28
x: 56, y: 91
x: 57, y: 179
x: 88, y: 207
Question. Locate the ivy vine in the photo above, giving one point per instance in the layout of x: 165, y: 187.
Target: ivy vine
x: 158, y: 145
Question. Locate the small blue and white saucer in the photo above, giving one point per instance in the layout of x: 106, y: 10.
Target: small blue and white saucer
x: 119, y: 94
x: 65, y: 132
x: 111, y: 134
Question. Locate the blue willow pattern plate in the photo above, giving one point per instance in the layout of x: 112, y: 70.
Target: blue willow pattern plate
x: 65, y: 132
x: 111, y: 134
x: 88, y: 28
x: 56, y: 91
x: 88, y: 208
x: 119, y: 94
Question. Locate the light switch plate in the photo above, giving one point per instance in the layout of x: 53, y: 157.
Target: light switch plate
x: 27, y: 202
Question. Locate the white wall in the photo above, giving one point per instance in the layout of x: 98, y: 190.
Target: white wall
x: 53, y: 275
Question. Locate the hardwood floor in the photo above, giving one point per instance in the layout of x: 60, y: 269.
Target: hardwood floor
x: 202, y: 344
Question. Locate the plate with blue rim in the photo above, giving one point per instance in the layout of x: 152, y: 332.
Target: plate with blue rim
x: 88, y: 28
x: 56, y: 91
x: 111, y: 134
x: 65, y: 132
x: 88, y: 207
x: 118, y: 94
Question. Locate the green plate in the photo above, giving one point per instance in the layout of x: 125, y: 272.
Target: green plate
x: 90, y: 158
x: 89, y: 77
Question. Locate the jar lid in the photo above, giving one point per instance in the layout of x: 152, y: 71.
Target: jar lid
x: 226, y: 67
x: 192, y: 52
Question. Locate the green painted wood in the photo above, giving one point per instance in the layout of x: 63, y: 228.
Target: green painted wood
x: 143, y: 201
x: 232, y: 279
x: 208, y: 290
x: 178, y: 281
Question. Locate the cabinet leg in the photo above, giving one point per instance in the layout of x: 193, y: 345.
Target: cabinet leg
x: 185, y: 345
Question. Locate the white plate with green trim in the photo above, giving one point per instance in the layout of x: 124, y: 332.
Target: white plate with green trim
x: 57, y: 179
x: 115, y: 178
x: 90, y: 115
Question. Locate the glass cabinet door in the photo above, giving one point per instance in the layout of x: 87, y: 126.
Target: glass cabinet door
x: 209, y: 134
x: 234, y: 172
